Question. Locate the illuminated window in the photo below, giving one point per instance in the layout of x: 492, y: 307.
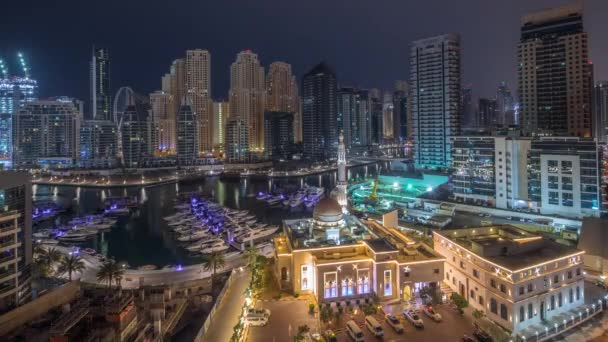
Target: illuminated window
x: 363, y: 281
x: 330, y: 284
x: 388, y: 287
x: 306, y: 278
x: 347, y: 287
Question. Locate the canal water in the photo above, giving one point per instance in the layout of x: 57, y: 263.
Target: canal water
x: 144, y: 238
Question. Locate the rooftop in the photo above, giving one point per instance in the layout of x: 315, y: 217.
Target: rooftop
x: 304, y: 233
x: 508, y: 246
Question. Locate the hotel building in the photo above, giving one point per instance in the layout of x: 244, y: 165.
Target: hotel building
x: 517, y: 278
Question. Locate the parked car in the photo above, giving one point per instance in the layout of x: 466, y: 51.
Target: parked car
x: 414, y: 318
x: 482, y: 336
x: 394, y: 322
x: 258, y: 312
x: 429, y: 311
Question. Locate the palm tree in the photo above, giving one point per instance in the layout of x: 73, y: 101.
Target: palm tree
x: 251, y: 257
x: 214, y: 262
x: 49, y: 257
x: 110, y: 271
x: 71, y: 264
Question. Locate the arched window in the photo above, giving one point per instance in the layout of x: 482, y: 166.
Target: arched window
x: 493, y: 306
x: 503, y: 312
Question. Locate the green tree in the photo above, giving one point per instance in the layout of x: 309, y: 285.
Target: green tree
x: 71, y: 264
x: 47, y: 258
x: 302, y: 330
x: 214, y: 262
x: 459, y: 301
x: 326, y: 314
x: 250, y: 255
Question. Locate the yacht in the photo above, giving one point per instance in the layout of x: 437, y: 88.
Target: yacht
x: 202, y: 245
x: 193, y: 236
x: 216, y: 247
x: 257, y: 234
x: 117, y: 211
x: 48, y: 242
x: 297, y: 199
x: 262, y: 196
x: 315, y: 193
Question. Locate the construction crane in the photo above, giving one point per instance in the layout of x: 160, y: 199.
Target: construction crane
x: 3, y: 69
x: 23, y: 65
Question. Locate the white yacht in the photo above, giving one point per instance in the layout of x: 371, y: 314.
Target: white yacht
x: 202, y: 245
x: 216, y: 247
x: 257, y: 234
x: 193, y: 236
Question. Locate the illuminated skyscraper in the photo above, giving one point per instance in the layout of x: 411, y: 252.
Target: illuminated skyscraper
x: 319, y: 112
x: 198, y: 91
x: 221, y: 112
x: 46, y: 132
x: 435, y: 87
x: 282, y: 94
x: 555, y: 73
x: 100, y: 85
x: 248, y: 96
x: 187, y: 144
x: 15, y: 91
x: 163, y: 116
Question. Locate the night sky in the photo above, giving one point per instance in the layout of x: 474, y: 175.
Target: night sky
x: 367, y: 42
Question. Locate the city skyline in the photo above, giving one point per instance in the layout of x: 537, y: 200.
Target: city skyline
x: 68, y: 50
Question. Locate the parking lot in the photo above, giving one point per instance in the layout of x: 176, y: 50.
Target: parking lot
x: 285, y: 318
x: 451, y: 328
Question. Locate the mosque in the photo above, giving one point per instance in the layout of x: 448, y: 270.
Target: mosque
x: 335, y: 256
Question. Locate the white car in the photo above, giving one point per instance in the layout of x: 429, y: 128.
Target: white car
x: 258, y: 312
x: 435, y: 316
x: 394, y: 322
x: 414, y: 318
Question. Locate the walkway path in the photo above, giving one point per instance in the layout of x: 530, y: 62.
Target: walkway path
x: 229, y: 310
x: 135, y: 278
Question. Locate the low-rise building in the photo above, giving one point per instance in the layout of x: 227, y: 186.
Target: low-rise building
x: 517, y: 278
x: 336, y: 257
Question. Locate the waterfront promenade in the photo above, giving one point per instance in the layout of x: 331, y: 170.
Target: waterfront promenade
x: 133, y: 278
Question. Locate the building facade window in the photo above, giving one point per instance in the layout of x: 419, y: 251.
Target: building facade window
x: 503, y: 312
x: 530, y: 287
x: 521, y: 290
x: 530, y: 310
x: 330, y: 280
x: 552, y: 302
x: 388, y: 286
x: 555, y: 279
x: 475, y: 273
x: 306, y: 278
x: 347, y: 287
x: 571, y: 296
x: 493, y: 283
x: 578, y: 293
x: 559, y: 300
x: 363, y: 281
x: 493, y: 306
x: 503, y: 288
x: 480, y: 300
x: 522, y: 313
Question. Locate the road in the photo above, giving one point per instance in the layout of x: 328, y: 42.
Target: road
x: 229, y: 310
x: 285, y: 318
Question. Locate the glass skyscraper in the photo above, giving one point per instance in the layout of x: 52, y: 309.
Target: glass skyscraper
x: 14, y: 92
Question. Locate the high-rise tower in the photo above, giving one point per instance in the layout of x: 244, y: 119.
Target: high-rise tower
x: 555, y: 73
x: 435, y: 87
x: 248, y: 96
x: 100, y: 85
x: 319, y: 112
x: 198, y: 91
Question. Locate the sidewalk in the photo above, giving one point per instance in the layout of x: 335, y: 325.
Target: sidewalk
x: 229, y: 311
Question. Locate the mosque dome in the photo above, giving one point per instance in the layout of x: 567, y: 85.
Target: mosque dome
x: 328, y: 212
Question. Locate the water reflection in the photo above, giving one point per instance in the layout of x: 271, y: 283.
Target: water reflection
x: 144, y: 237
